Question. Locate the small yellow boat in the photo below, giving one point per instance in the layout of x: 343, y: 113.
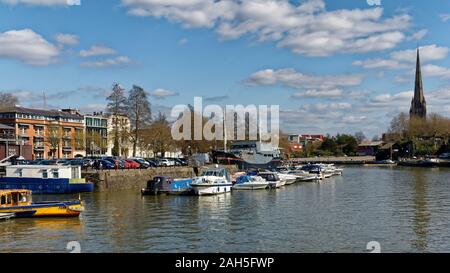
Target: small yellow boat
x: 20, y: 203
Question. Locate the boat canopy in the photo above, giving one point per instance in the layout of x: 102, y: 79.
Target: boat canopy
x: 243, y: 179
x: 11, y: 198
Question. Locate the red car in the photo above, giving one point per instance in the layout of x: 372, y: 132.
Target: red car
x: 130, y: 164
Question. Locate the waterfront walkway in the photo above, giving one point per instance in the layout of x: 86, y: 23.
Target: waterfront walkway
x: 335, y: 160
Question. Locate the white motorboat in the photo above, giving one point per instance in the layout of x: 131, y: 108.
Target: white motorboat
x: 247, y: 182
x: 6, y: 216
x: 331, y: 170
x: 289, y: 179
x: 273, y: 179
x: 303, y: 176
x: 212, y: 182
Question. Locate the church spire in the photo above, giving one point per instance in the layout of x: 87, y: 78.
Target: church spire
x: 418, y: 104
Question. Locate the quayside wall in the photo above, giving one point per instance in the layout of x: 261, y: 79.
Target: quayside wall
x: 117, y: 180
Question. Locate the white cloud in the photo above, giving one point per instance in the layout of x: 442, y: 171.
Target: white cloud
x: 405, y: 59
x: 183, y: 41
x: 427, y: 53
x: 97, y: 50
x: 380, y: 63
x: 445, y: 17
x: 36, y: 2
x: 436, y: 71
x: 27, y: 46
x: 417, y: 36
x: 118, y: 61
x: 306, y: 28
x: 163, y: 93
x: 290, y: 77
x: 92, y: 107
x: 314, y: 93
x: 67, y: 39
x: 389, y: 98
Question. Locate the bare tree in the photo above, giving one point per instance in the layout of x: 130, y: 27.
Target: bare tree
x: 139, y: 112
x: 157, y: 136
x: 54, y: 137
x: 7, y: 100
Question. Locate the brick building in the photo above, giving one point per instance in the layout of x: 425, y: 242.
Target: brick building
x: 50, y: 133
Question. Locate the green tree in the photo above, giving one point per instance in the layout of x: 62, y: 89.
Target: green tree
x: 116, y: 106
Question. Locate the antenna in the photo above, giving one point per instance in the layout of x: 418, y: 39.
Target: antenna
x: 225, y: 132
x: 45, y: 100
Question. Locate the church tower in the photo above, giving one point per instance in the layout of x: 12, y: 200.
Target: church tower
x: 418, y: 104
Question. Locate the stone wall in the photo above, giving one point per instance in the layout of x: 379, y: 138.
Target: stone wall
x: 112, y: 180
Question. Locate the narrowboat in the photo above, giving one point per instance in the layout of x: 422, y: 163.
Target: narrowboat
x: 20, y: 203
x: 45, y: 179
x: 166, y: 185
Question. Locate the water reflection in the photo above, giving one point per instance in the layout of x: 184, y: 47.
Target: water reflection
x: 421, y: 214
x: 405, y: 209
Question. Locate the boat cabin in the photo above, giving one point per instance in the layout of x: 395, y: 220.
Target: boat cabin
x: 269, y: 176
x: 43, y: 171
x: 220, y: 172
x: 13, y: 198
x: 159, y: 183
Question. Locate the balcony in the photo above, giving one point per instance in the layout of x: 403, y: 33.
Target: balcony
x: 39, y: 147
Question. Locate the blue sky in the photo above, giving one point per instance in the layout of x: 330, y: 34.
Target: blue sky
x: 332, y: 66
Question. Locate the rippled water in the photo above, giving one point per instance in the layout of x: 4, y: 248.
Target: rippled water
x: 406, y: 210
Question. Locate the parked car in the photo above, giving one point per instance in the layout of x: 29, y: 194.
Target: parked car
x: 132, y: 164
x: 75, y: 162
x: 153, y: 163
x: 143, y: 164
x: 105, y: 164
x: 164, y: 162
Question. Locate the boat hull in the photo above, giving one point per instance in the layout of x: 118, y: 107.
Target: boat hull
x: 45, y: 186
x: 199, y: 189
x: 251, y: 186
x: 276, y: 184
x: 49, y: 209
x: 6, y: 216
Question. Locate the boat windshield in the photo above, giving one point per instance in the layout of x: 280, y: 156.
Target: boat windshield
x: 214, y: 173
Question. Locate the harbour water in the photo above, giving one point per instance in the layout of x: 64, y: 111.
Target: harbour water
x: 404, y: 209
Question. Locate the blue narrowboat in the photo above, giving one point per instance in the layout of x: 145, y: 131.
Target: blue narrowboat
x: 45, y: 179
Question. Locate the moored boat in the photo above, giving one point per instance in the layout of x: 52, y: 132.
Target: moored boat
x: 247, y: 182
x: 19, y: 202
x: 45, y: 179
x: 273, y: 179
x: 166, y: 185
x: 288, y: 179
x: 6, y: 216
x: 212, y: 182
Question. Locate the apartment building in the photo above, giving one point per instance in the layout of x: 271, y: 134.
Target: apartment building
x: 51, y: 133
x: 96, y: 134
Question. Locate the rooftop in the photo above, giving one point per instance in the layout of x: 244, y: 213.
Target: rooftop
x: 42, y: 112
